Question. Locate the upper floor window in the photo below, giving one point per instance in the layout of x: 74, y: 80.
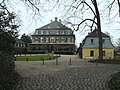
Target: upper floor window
x: 47, y: 32
x: 39, y: 39
x: 92, y: 41
x: 53, y: 32
x: 71, y: 39
x: 44, y: 32
x: 66, y: 39
x: 60, y: 39
x: 41, y: 32
x: 62, y: 32
x: 37, y: 32
x: 68, y: 32
x: 44, y: 39
x: 59, y: 32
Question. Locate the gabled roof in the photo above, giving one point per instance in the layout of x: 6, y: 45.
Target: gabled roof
x: 94, y: 33
x: 54, y: 25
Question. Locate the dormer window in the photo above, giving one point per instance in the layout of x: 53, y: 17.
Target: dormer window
x: 58, y: 27
x: 36, y: 32
x: 103, y: 40
x: 92, y: 41
x: 48, y: 26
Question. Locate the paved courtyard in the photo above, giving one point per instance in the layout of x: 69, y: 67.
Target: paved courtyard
x: 80, y: 75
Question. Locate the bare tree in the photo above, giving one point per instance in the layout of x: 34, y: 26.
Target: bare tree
x: 118, y: 42
x: 77, y: 8
x: 93, y: 19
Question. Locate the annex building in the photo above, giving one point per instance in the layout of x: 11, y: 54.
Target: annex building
x: 89, y: 47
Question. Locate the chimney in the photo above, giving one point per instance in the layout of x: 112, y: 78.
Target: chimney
x: 60, y: 20
x: 55, y: 18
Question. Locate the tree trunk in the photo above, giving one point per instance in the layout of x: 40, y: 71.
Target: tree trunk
x: 99, y: 30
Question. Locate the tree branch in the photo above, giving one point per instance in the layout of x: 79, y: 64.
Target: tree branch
x: 110, y: 6
x: 33, y: 5
x: 119, y: 7
x: 85, y: 21
x: 92, y: 23
x: 90, y: 8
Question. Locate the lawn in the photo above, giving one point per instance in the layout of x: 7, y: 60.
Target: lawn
x: 36, y: 58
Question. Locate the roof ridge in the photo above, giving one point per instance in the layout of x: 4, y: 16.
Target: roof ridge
x: 94, y: 33
x: 54, y: 25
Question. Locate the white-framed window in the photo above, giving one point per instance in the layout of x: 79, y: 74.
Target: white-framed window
x: 47, y: 32
x: 41, y: 39
x: 47, y: 39
x: 66, y: 39
x: 52, y: 40
x: 41, y: 31
x: 71, y: 39
x: 44, y: 32
x: 53, y: 32
x: 35, y: 39
x: 36, y: 32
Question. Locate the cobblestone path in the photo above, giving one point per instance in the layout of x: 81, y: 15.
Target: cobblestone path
x: 80, y: 75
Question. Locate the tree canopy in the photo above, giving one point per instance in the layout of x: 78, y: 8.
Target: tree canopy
x: 26, y: 39
x: 8, y: 29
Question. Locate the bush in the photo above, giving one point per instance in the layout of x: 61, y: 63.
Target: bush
x: 114, y: 82
x: 8, y: 76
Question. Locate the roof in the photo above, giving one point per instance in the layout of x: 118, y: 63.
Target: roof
x: 54, y: 25
x: 53, y: 35
x: 19, y: 41
x: 94, y: 33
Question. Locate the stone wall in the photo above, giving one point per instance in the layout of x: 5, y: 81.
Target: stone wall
x: 7, y: 72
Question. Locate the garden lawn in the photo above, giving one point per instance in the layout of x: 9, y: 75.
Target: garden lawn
x: 35, y: 58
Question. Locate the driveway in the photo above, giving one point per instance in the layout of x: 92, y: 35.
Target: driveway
x: 71, y: 73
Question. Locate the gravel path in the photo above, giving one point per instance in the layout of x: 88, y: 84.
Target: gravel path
x: 80, y: 75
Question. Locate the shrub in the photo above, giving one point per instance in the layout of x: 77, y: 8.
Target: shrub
x: 114, y: 82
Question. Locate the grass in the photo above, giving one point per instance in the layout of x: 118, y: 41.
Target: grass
x: 114, y: 82
x: 35, y: 58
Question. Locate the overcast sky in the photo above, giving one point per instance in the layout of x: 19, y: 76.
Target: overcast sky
x: 29, y: 22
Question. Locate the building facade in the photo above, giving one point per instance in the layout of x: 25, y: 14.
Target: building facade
x: 53, y: 37
x: 89, y: 48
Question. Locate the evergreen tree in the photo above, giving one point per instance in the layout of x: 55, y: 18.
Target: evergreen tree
x: 8, y: 29
x: 26, y: 39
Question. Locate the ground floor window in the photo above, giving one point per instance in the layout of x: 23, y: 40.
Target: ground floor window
x: 103, y: 53
x: 91, y: 53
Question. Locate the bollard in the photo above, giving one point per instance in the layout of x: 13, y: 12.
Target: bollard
x: 43, y: 62
x: 70, y: 62
x: 56, y: 61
